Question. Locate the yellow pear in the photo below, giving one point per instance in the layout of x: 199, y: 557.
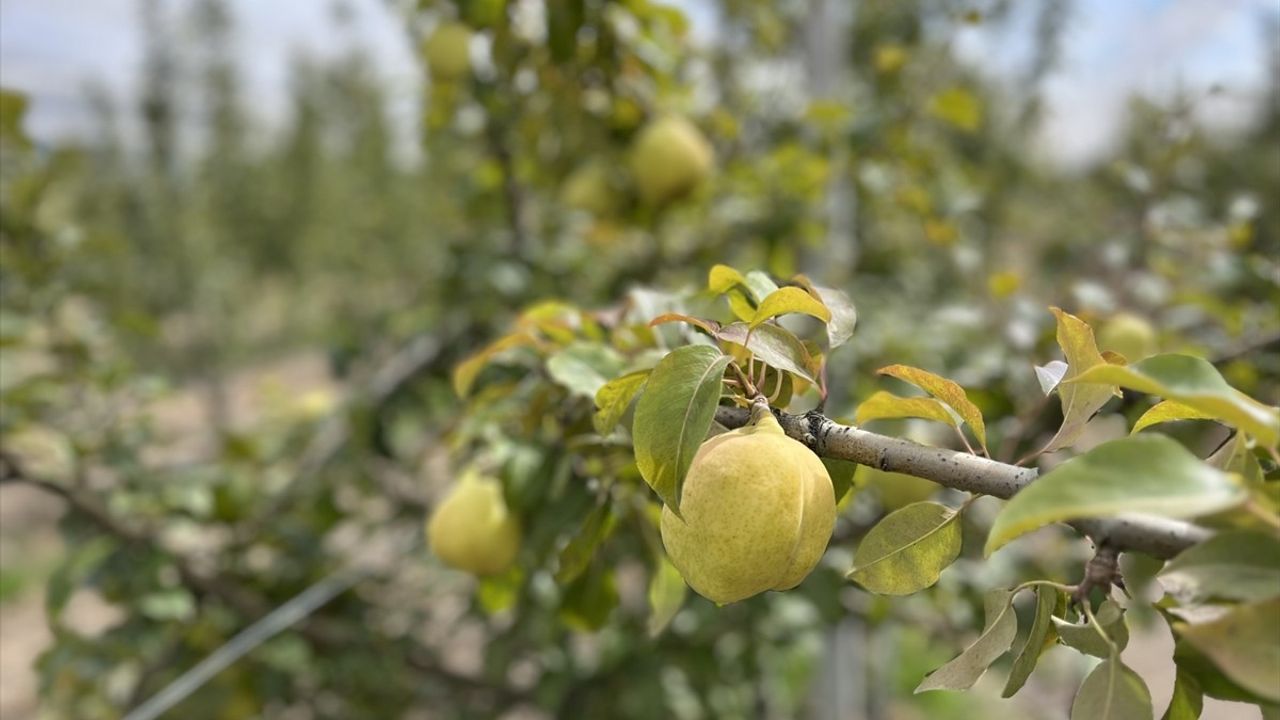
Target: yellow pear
x: 448, y: 52
x: 1129, y: 335
x: 756, y: 512
x: 472, y: 529
x: 670, y: 158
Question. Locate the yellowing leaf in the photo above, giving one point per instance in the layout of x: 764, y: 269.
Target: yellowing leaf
x: 885, y: 405
x: 996, y: 639
x: 907, y: 550
x: 1195, y: 383
x: 788, y: 300
x: 723, y: 278
x: 958, y: 107
x: 1138, y: 474
x: 1079, y: 402
x: 1168, y: 411
x: 614, y: 397
x: 945, y: 390
x: 708, y: 326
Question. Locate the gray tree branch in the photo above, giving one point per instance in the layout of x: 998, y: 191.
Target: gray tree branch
x: 1153, y: 536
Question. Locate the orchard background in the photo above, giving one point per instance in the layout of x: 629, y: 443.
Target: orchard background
x: 240, y: 367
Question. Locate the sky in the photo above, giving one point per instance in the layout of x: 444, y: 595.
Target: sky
x: 55, y: 49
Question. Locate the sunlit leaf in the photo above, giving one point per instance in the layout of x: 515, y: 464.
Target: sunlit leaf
x: 997, y: 637
x: 1168, y: 411
x: 907, y: 550
x: 789, y: 300
x: 1079, y: 402
x: 1112, y: 692
x: 945, y: 390
x: 1243, y: 645
x: 673, y: 416
x: 1037, y: 638
x: 1231, y: 565
x: 885, y: 405
x: 583, y: 368
x: 1083, y: 636
x: 614, y: 397
x: 1137, y: 474
x: 708, y: 326
x: 1193, y: 382
x: 959, y: 107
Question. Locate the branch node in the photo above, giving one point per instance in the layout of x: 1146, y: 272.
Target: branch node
x: 1102, y: 571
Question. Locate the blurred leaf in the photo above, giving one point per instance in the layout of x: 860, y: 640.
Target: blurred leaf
x: 959, y: 107
x: 614, y: 397
x: 1243, y: 645
x: 81, y: 563
x: 1079, y: 403
x: 496, y: 593
x: 590, y: 599
x: 1112, y: 692
x: 1213, y: 683
x: 997, y: 637
x: 885, y: 405
x: 576, y: 556
x: 666, y: 594
x: 775, y: 346
x: 674, y: 414
x: 1037, y: 639
x: 1084, y: 637
x: 1168, y: 411
x: 789, y: 300
x: 1193, y: 382
x: 465, y: 374
x: 584, y: 368
x: 945, y: 390
x: 1232, y: 565
x: 1140, y: 473
x: 841, y: 472
x: 1188, y: 699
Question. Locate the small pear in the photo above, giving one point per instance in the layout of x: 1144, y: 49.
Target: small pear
x: 448, y: 52
x: 1129, y: 335
x: 472, y: 529
x: 756, y: 512
x: 670, y: 158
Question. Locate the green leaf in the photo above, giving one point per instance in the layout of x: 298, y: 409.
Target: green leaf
x: 1193, y: 382
x: 841, y: 472
x: 1243, y: 645
x: 760, y: 285
x: 614, y: 397
x: 885, y: 405
x: 1140, y: 473
x: 1025, y: 661
x: 788, y: 300
x: 1084, y: 636
x: 1168, y: 411
x: 82, y: 562
x: 776, y: 346
x: 996, y: 639
x: 1112, y: 692
x: 1232, y: 565
x: 1213, y: 683
x: 844, y: 316
x: 666, y: 594
x: 945, y: 390
x: 577, y: 554
x: 1188, y: 699
x: 584, y: 368
x: 1079, y: 402
x: 907, y: 550
x: 590, y: 599
x: 496, y: 593
x: 673, y: 416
